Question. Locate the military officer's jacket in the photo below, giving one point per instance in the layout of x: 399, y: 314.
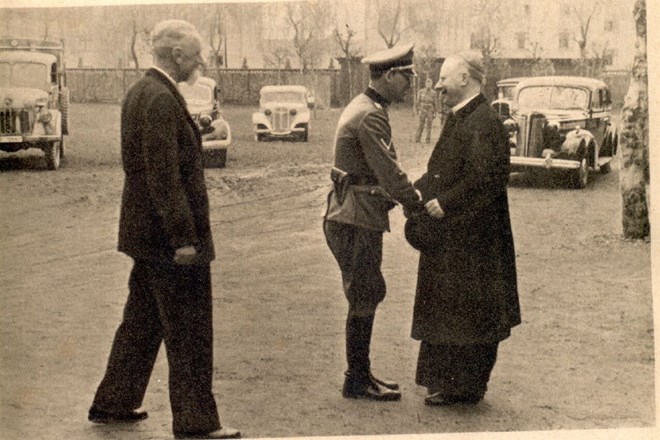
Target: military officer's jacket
x: 427, y: 100
x: 364, y: 150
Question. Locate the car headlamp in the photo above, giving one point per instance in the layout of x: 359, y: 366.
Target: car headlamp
x: 293, y: 112
x: 553, y: 125
x: 45, y: 117
x: 267, y: 112
x: 510, y: 125
x: 205, y: 121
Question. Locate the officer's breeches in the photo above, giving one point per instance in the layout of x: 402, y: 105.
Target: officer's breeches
x: 359, y: 253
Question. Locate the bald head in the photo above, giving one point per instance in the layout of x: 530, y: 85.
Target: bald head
x: 472, y: 62
x: 461, y: 77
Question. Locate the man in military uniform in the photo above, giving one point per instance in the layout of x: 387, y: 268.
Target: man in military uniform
x: 367, y: 183
x: 426, y: 107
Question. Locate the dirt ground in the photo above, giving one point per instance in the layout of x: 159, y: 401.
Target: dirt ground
x: 581, y: 363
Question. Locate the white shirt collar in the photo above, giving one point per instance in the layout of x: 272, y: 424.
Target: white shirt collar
x: 462, y: 104
x: 165, y: 74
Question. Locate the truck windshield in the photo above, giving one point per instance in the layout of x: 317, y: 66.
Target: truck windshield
x: 29, y: 75
x: 198, y: 94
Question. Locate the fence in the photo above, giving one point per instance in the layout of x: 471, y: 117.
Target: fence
x: 330, y: 87
x: 238, y: 86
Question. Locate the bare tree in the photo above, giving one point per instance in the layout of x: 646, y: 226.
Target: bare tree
x: 277, y: 58
x: 140, y: 33
x: 584, y: 14
x: 635, y: 138
x: 487, y: 14
x: 216, y: 39
x: 308, y: 21
x: 389, y: 22
x: 350, y: 53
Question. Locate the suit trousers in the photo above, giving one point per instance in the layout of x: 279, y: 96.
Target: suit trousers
x: 170, y: 303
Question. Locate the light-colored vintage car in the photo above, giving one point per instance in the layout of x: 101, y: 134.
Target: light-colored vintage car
x: 505, y: 89
x: 284, y: 113
x: 203, y: 101
x: 562, y: 123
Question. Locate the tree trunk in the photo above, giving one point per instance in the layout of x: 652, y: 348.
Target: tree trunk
x: 635, y: 138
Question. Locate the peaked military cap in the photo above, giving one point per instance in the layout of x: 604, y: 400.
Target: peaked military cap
x: 398, y: 57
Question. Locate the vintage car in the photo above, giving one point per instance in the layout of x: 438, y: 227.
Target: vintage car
x: 203, y: 101
x: 562, y: 123
x: 34, y: 99
x: 505, y: 89
x: 284, y: 113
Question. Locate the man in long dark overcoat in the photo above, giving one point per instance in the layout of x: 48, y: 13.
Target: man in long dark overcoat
x: 466, y: 300
x: 164, y: 226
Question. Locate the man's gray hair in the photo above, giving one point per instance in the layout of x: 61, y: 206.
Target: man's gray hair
x: 169, y: 34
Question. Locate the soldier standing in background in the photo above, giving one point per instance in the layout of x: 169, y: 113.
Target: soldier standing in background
x: 426, y: 106
x: 367, y: 181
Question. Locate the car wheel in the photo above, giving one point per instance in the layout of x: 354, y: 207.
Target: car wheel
x: 605, y: 168
x: 260, y: 137
x: 581, y: 175
x: 304, y: 135
x: 215, y: 158
x: 53, y: 155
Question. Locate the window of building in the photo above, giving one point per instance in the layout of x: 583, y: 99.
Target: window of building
x: 521, y: 37
x: 475, y: 41
x: 564, y: 38
x: 608, y: 56
x: 609, y: 25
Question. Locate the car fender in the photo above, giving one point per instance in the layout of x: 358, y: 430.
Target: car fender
x: 300, y: 118
x: 54, y: 127
x: 575, y: 141
x: 219, y: 137
x: 260, y: 118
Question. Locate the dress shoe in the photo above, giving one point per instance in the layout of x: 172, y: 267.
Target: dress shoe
x: 110, y: 418
x: 385, y: 383
x: 223, y: 432
x: 366, y: 388
x: 439, y: 399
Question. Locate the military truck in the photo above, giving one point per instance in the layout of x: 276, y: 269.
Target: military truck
x: 34, y: 98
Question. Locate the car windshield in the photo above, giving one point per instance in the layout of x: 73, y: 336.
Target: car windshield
x: 506, y: 92
x: 197, y: 94
x: 29, y: 75
x: 284, y: 96
x: 553, y: 97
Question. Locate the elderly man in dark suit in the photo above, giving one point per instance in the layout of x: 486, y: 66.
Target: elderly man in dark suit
x: 164, y: 226
x: 467, y: 299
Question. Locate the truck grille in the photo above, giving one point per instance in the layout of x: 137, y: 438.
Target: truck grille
x: 280, y: 120
x: 14, y: 121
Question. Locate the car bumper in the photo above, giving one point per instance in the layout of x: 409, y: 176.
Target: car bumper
x: 18, y: 139
x: 213, y: 145
x: 519, y: 163
x: 278, y: 133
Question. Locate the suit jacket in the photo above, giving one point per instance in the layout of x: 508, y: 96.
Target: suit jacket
x: 364, y: 149
x: 466, y: 285
x: 164, y: 203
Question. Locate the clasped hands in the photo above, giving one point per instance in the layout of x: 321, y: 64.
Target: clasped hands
x: 185, y: 255
x: 432, y: 207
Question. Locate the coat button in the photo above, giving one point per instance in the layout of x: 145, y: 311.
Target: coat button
x: 436, y: 176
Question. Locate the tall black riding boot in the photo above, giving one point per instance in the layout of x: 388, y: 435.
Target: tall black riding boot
x: 359, y: 383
